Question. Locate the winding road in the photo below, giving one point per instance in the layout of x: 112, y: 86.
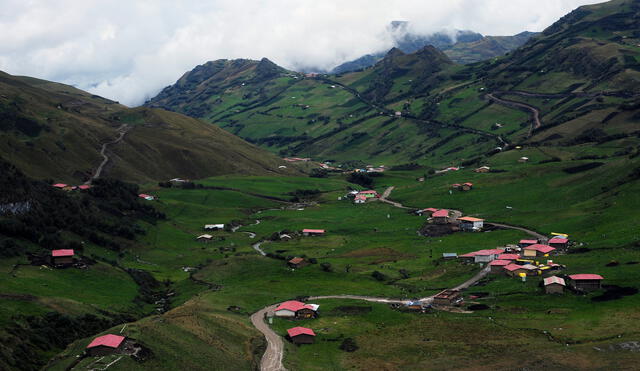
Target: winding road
x: 122, y: 130
x: 535, y: 113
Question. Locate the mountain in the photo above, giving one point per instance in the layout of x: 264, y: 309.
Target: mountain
x: 55, y: 131
x: 580, y: 77
x: 461, y: 46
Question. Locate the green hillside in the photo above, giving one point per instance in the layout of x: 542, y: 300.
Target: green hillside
x: 55, y: 131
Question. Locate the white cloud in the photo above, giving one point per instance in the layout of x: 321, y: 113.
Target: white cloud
x: 128, y: 50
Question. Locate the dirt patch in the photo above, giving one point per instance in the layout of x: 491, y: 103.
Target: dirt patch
x: 350, y: 310
x: 437, y: 230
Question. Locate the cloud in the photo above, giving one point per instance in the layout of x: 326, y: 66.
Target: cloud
x: 129, y: 50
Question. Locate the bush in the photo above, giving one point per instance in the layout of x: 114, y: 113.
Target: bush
x: 360, y: 179
x: 378, y: 276
x: 326, y: 267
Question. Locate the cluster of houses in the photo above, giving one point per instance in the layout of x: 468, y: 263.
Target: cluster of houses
x: 294, y: 309
x: 371, y: 169
x: 520, y: 261
x: 67, y: 187
x: 298, y: 262
x: 442, y: 216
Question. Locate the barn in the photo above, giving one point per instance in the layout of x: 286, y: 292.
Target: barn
x: 62, y: 257
x: 301, y: 335
x: 586, y: 282
x: 468, y: 223
x: 105, y: 345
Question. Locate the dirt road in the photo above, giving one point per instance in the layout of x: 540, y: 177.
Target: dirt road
x: 122, y: 130
x: 535, y: 113
x: 386, y: 194
x: 535, y: 234
x: 272, y: 358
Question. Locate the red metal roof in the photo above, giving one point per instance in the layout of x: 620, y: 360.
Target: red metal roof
x: 441, y: 213
x: 468, y: 184
x: 433, y: 210
x: 292, y: 305
x: 500, y: 262
x: 84, y: 186
x: 489, y: 252
x: 455, y: 185
x: 541, y: 248
x: 62, y: 252
x: 374, y: 192
x: 554, y: 279
x: 586, y: 276
x: 528, y: 242
x: 313, y: 231
x: 143, y: 195
x: 558, y: 240
x: 293, y: 332
x: 468, y: 255
x: 508, y: 256
x: 470, y: 219
x: 296, y: 260
x: 512, y: 267
x: 59, y: 185
x: 111, y: 341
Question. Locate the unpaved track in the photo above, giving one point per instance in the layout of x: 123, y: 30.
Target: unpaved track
x: 386, y: 194
x: 272, y: 358
x: 535, y: 113
x: 122, y: 130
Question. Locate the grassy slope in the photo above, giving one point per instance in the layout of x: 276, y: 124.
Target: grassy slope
x: 60, y: 131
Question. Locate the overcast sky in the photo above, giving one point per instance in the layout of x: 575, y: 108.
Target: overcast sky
x: 128, y: 50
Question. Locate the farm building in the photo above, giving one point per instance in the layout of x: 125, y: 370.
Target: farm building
x: 483, y: 169
x: 313, y: 232
x: 586, y: 282
x: 105, y: 345
x: 554, y: 285
x: 297, y: 263
x: 428, y: 211
x: 538, y: 250
x: 213, y: 227
x: 360, y: 199
x: 559, y: 242
x: 204, y: 238
x: 441, y: 216
x: 466, y: 186
x: 485, y: 256
x: 497, y: 266
x: 468, y: 258
x: 514, y: 270
x: 449, y: 255
x: 301, y: 335
x: 508, y: 257
x: 62, y: 256
x: 447, y: 297
x: 525, y: 243
x: 296, y: 309
x: 468, y: 223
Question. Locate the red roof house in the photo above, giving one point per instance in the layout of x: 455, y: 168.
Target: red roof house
x: 554, y: 285
x: 62, y: 257
x: 301, y: 335
x: 559, y: 242
x: 84, y: 187
x: 62, y: 252
x: 508, y: 257
x: 104, y: 345
x: 538, y: 250
x: 312, y: 232
x: 524, y: 243
x: 586, y: 282
x: 60, y: 185
x: 497, y: 266
x: 441, y: 213
x: 297, y: 262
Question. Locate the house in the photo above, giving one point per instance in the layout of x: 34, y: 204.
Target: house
x: 297, y: 263
x: 368, y: 194
x: 213, y: 227
x: 497, y: 266
x: 515, y: 270
x: 441, y: 216
x: 466, y: 186
x: 296, y: 309
x: 468, y: 258
x: 105, y: 345
x: 62, y: 256
x: 559, y: 242
x: 586, y: 282
x: 428, y: 211
x: 414, y: 306
x: 523, y: 159
x: 468, y: 223
x: 360, y: 199
x: 483, y: 169
x: 447, y: 297
x: 301, y: 335
x: 449, y: 255
x: 146, y: 196
x: 554, y: 285
x: 308, y: 311
x: 485, y: 256
x: 508, y: 257
x: 59, y: 185
x: 537, y: 250
x: 84, y: 187
x: 525, y: 243
x: 313, y: 232
x: 204, y: 238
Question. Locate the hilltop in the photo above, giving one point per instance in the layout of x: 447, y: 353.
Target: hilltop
x: 55, y: 131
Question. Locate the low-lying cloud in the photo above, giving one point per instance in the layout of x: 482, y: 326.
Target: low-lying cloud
x: 129, y: 50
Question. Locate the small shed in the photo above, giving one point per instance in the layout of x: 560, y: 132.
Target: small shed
x: 204, y: 238
x: 514, y: 270
x: 308, y: 311
x: 105, y: 345
x: 368, y: 194
x: 468, y: 257
x: 554, y: 285
x: 62, y: 256
x: 525, y: 243
x: 468, y: 223
x: 297, y: 263
x: 301, y: 335
x: 441, y: 216
x: 559, y: 242
x: 497, y: 266
x: 213, y: 227
x: 586, y: 282
x: 538, y: 250
x: 447, y: 297
x: 523, y: 159
x: 483, y: 169
x: 466, y: 186
x: 313, y: 232
x: 359, y: 199
x: 449, y: 255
